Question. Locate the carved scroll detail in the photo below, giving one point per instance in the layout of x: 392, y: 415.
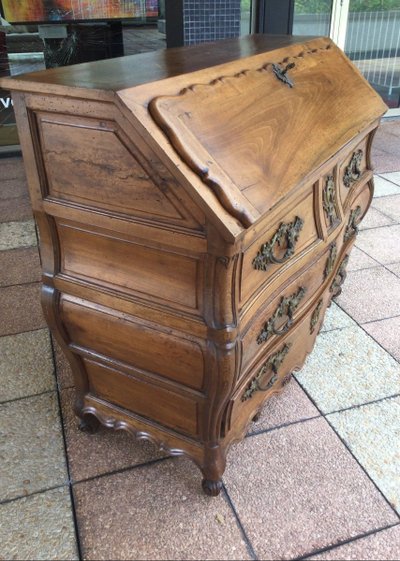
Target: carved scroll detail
x: 287, y: 232
x: 352, y: 225
x: 273, y: 363
x: 330, y: 262
x: 329, y: 199
x: 336, y: 286
x: 315, y: 317
x: 287, y: 307
x: 353, y: 171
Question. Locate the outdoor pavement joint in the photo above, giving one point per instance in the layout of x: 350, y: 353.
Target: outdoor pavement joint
x: 284, y: 425
x: 349, y: 450
x: 70, y: 490
x: 26, y: 397
x: 38, y: 492
x: 246, y: 539
x: 344, y: 542
x: 123, y: 470
x: 362, y: 467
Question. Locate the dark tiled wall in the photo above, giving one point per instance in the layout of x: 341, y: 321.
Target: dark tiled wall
x: 210, y: 20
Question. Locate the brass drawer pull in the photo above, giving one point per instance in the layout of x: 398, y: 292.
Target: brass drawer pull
x: 288, y: 232
x: 273, y: 363
x: 287, y: 307
x: 352, y: 225
x: 353, y: 171
x: 336, y: 286
x: 329, y: 200
x: 281, y: 73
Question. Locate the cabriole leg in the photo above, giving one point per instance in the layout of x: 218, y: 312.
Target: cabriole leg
x: 89, y: 424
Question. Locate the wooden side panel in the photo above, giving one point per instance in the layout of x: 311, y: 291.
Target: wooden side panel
x: 127, y: 339
x: 92, y: 163
x: 102, y: 259
x: 170, y: 409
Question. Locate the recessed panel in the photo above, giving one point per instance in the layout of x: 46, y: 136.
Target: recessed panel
x: 126, y: 266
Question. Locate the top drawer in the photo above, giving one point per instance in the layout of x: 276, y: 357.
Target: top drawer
x: 276, y: 248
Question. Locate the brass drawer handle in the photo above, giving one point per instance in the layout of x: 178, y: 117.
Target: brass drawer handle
x: 329, y: 200
x: 353, y: 171
x: 281, y: 73
x: 340, y: 277
x: 287, y: 307
x: 286, y: 232
x: 352, y: 225
x: 273, y: 363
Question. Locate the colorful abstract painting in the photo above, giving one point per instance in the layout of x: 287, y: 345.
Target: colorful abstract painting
x: 67, y: 10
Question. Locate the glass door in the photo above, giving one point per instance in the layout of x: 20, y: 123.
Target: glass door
x: 369, y: 33
x: 372, y: 42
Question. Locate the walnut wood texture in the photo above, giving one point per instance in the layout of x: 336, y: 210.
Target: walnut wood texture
x: 196, y: 210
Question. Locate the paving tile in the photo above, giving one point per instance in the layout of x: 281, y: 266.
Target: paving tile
x: 298, y: 489
x: 387, y: 333
x: 17, y: 234
x: 95, y: 454
x: 19, y: 266
x: 38, y: 527
x: 14, y: 198
x: 370, y: 294
x: 347, y: 367
x: 395, y: 268
x: 381, y: 243
x: 336, y: 318
x: 21, y: 309
x: 360, y: 260
x: 384, y: 162
x: 155, y: 512
x: 26, y: 364
x: 11, y: 168
x: 382, y: 545
x: 16, y: 209
x: 63, y: 370
x: 394, y: 177
x: 290, y: 406
x: 375, y: 219
x: 31, y: 446
x: 389, y: 206
x: 372, y: 433
x: 13, y: 188
x: 384, y: 187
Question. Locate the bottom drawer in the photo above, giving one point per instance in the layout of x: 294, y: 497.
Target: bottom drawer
x: 273, y: 371
x: 147, y: 400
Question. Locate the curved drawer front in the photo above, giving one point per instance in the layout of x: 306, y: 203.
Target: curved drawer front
x: 159, y: 404
x: 276, y: 248
x: 276, y: 317
x: 273, y: 369
x: 117, y: 336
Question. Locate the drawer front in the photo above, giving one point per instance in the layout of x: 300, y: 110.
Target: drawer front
x: 117, y: 336
x: 352, y: 170
x: 102, y: 258
x: 276, y: 247
x: 273, y: 369
x: 147, y: 400
x: 277, y: 316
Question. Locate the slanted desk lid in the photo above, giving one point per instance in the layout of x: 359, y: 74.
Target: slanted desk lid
x: 253, y: 135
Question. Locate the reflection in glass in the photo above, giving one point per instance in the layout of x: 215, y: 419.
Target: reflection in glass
x: 312, y: 17
x: 373, y: 44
